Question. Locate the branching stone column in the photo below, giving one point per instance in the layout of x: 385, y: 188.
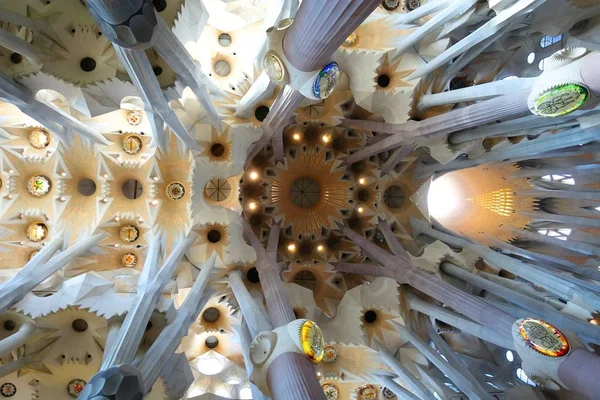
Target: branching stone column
x: 253, y: 315
x: 245, y: 339
x: 41, y: 266
x: 291, y: 376
x: 405, y: 273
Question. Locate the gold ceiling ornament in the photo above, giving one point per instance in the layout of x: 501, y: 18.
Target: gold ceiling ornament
x: 367, y: 392
x: 308, y: 193
x: 132, y: 144
x: 134, y: 118
x: 129, y: 260
x: 39, y: 138
x: 39, y: 185
x: 75, y: 387
x: 217, y: 190
x: 37, y: 231
x: 330, y: 354
x: 350, y: 40
x: 175, y: 190
x: 129, y: 233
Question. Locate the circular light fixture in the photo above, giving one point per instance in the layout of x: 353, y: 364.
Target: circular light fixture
x: 509, y: 356
x: 75, y: 387
x: 296, y: 136
x: 37, y: 231
x: 245, y: 393
x: 132, y: 144
x: 39, y: 185
x: 233, y: 381
x: 313, y: 342
x: 291, y: 247
x: 320, y: 248
x: 129, y: 260
x: 560, y: 100
x: 175, y: 190
x: 274, y: 67
x: 543, y: 337
x: 254, y: 175
x: 134, y: 118
x: 326, y: 138
x: 326, y: 81
x: 39, y: 139
x: 252, y: 206
x: 129, y: 233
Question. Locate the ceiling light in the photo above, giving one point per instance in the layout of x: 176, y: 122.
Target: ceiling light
x: 254, y: 175
x: 210, y: 366
x: 326, y: 138
x: 252, y: 206
x: 222, y: 392
x: 233, y: 381
x: 245, y: 393
x: 296, y: 136
x: 362, y: 181
x: 361, y: 209
x: 320, y: 248
x: 291, y: 247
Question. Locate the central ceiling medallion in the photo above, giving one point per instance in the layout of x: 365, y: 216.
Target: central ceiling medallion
x: 175, y: 190
x: 309, y: 192
x: 129, y: 233
x: 8, y: 389
x: 37, y: 231
x: 39, y: 185
x: 132, y: 144
x: 39, y: 139
x: 134, y: 118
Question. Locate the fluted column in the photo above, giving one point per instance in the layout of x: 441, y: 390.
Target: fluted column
x: 320, y: 27
x: 405, y: 273
x: 245, y: 339
x: 291, y: 376
x: 580, y: 372
x: 252, y: 314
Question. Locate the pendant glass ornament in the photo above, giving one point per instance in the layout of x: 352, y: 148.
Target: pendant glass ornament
x: 330, y: 354
x: 129, y: 233
x: 326, y: 81
x: 543, y: 337
x: 390, y: 5
x: 75, y: 387
x: 37, y: 231
x: 39, y: 185
x: 129, y: 260
x: 134, y: 118
x: 410, y: 5
x: 175, y: 190
x: 313, y: 342
x: 274, y: 67
x: 39, y: 139
x: 350, y: 40
x: 368, y: 392
x: 331, y: 391
x: 132, y: 144
x: 284, y: 23
x: 561, y: 100
x: 8, y: 389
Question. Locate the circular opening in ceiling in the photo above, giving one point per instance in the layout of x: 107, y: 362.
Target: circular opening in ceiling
x: 305, y: 192
x: 86, y: 187
x: 217, y: 150
x: 531, y: 58
x: 160, y: 5
x: 214, y: 236
x: 16, y: 58
x: 370, y: 316
x: 88, y: 64
x: 157, y: 70
x: 217, y: 190
x: 393, y: 197
x: 253, y: 275
x: 10, y: 325
x: 79, y: 325
x: 211, y: 314
x: 364, y: 195
x: 211, y: 342
x: 383, y: 80
x: 132, y: 189
x: 224, y: 39
x: 261, y: 113
x: 222, y: 68
x: 306, y: 279
x: 149, y: 325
